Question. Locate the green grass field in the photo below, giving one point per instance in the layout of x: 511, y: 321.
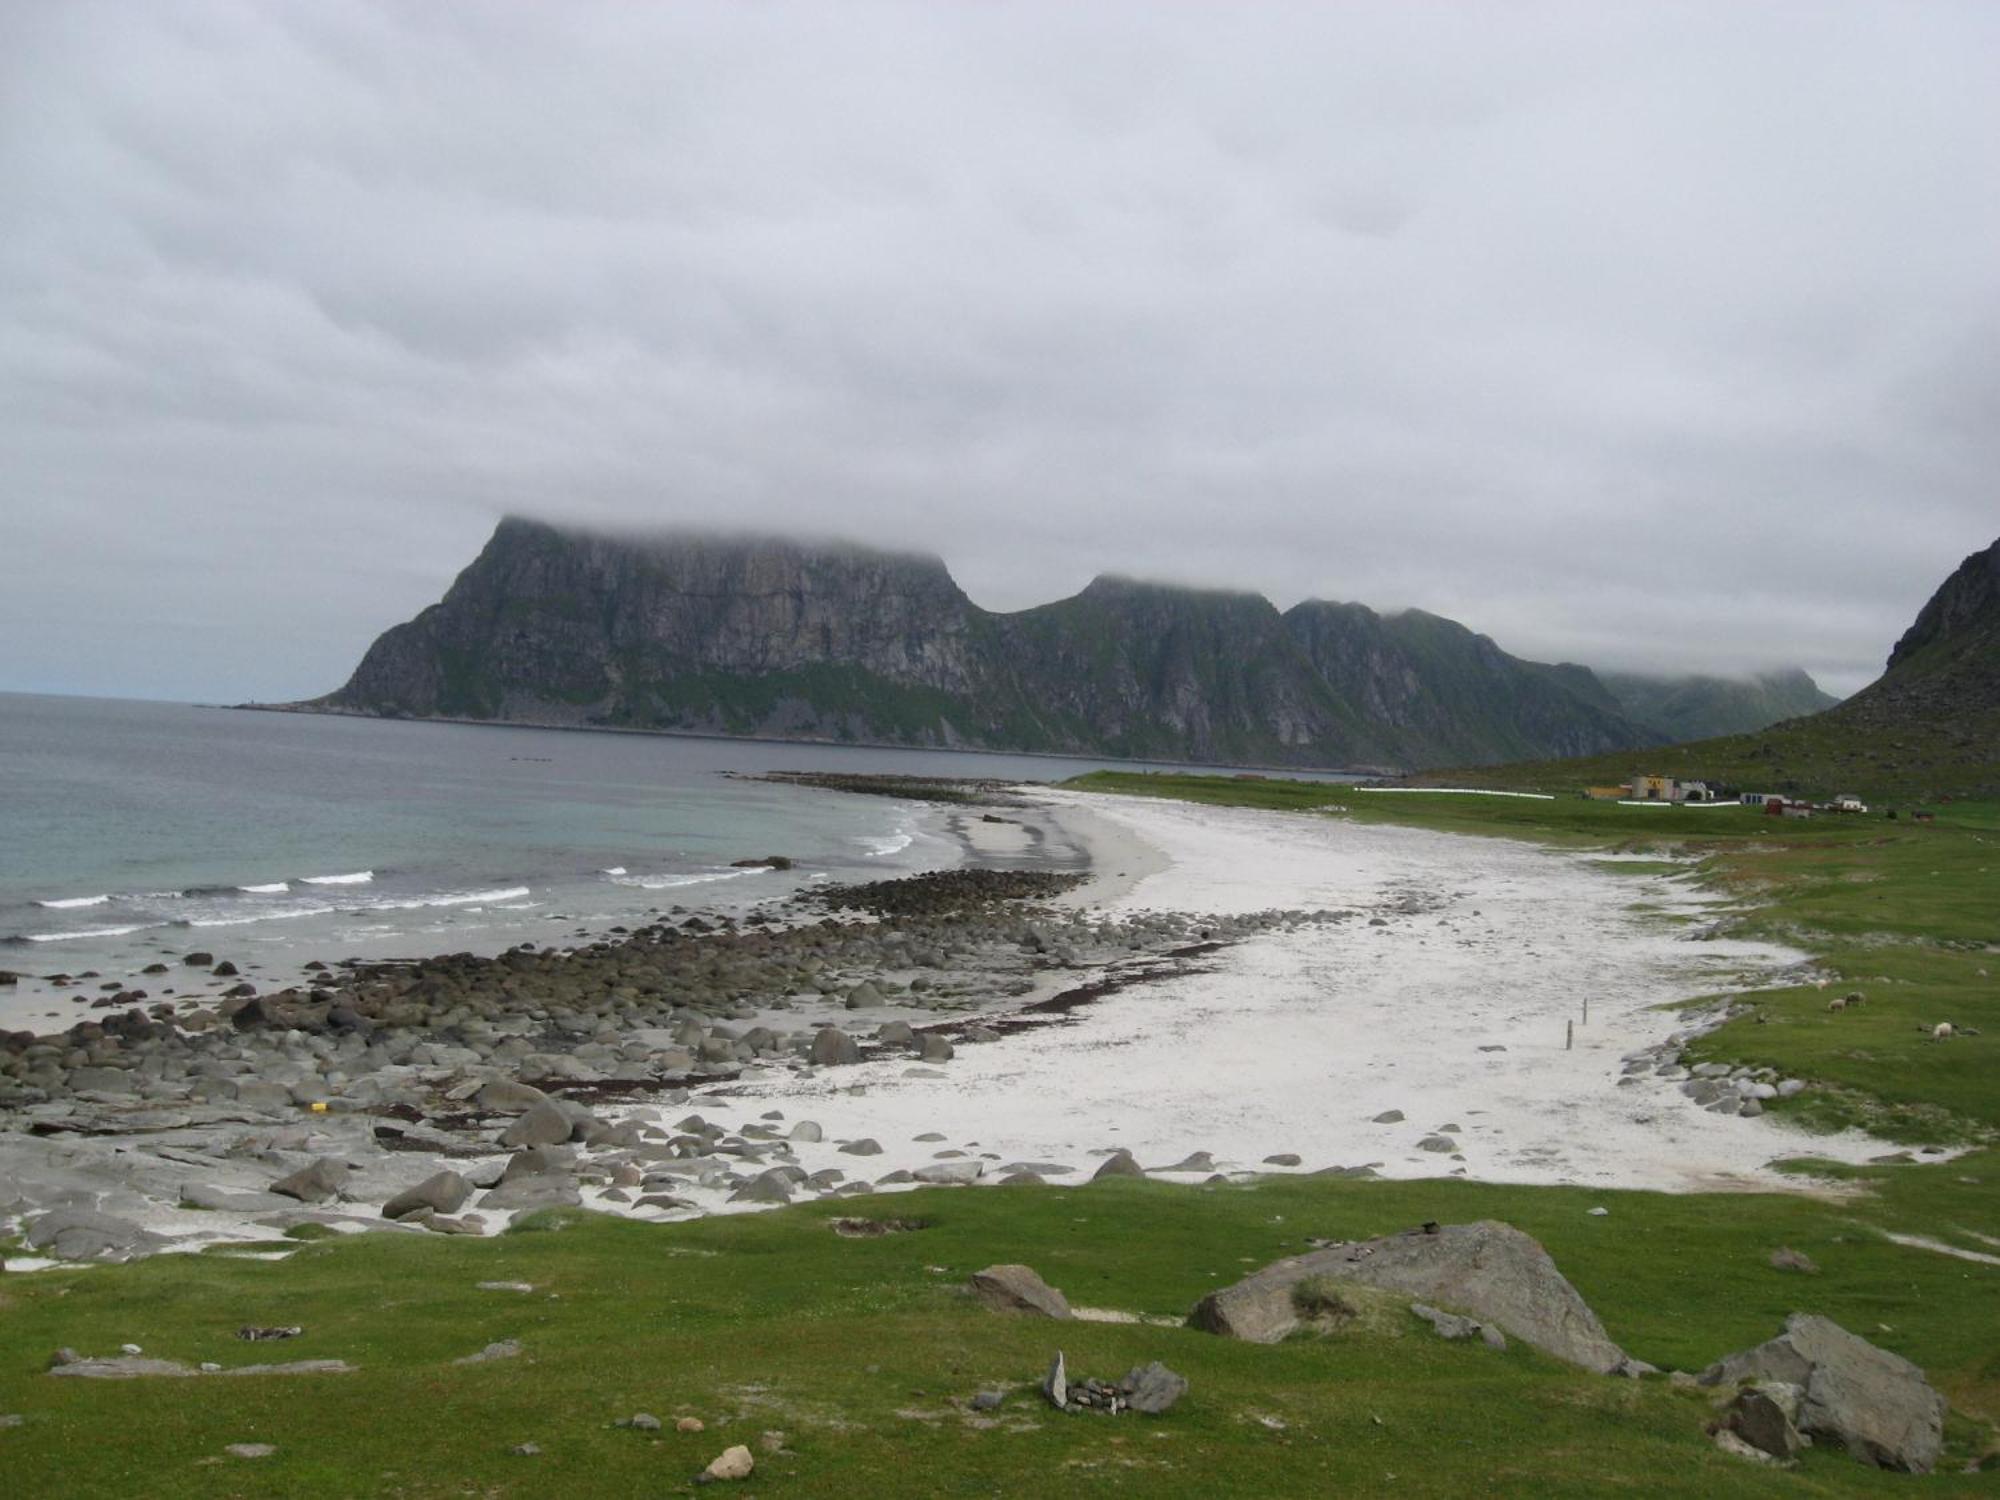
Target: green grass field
x: 863, y: 1352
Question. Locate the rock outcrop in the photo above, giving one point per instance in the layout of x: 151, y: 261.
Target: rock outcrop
x: 1018, y: 1289
x: 1876, y: 1404
x: 1490, y: 1271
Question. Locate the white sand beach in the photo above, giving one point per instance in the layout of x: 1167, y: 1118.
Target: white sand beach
x: 1453, y: 1011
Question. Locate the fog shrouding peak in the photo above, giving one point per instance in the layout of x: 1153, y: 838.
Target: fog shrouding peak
x: 1661, y: 338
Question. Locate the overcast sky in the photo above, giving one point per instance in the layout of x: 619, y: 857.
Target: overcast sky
x: 1661, y: 338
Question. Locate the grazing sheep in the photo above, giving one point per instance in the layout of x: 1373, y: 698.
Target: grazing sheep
x: 1854, y: 997
x: 1836, y: 1003
x: 1943, y: 1031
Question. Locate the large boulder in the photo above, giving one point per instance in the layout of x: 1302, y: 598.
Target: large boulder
x: 315, y: 1183
x: 508, y: 1096
x: 1489, y: 1270
x: 1876, y: 1404
x: 444, y: 1193
x: 85, y: 1234
x: 1018, y: 1289
x: 543, y: 1123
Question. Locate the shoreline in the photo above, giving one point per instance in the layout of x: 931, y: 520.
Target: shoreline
x: 1222, y: 993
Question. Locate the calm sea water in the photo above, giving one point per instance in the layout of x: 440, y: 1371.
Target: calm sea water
x: 134, y: 832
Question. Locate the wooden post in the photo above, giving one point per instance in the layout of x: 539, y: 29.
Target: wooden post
x: 1569, y: 1035
x: 1586, y: 1010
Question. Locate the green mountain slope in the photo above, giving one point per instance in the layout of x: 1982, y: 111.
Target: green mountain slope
x: 1699, y: 708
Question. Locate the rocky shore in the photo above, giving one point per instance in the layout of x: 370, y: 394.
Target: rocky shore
x: 453, y: 1093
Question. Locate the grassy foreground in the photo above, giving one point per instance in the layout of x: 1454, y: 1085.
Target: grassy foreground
x: 863, y: 1352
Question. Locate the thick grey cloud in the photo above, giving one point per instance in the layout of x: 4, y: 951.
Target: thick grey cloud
x: 1650, y: 337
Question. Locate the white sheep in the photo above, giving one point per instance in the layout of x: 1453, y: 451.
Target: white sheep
x: 1944, y: 1031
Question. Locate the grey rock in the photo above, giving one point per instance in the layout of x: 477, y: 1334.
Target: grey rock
x: 541, y: 1124
x: 832, y: 1047
x: 1283, y: 1159
x: 1876, y: 1404
x: 221, y: 1200
x: 317, y: 1183
x: 1763, y: 1416
x: 1118, y: 1164
x: 1735, y: 1447
x: 128, y: 1367
x: 1447, y: 1325
x: 1389, y: 1117
x: 529, y: 1193
x: 937, y: 1049
x: 866, y: 1146
x: 508, y: 1096
x: 250, y: 1450
x: 766, y: 1187
x: 1055, y: 1384
x: 538, y: 1161
x: 950, y: 1173
x: 103, y: 1080
x: 1438, y: 1143
x: 1152, y: 1388
x: 499, y: 1349
x: 443, y: 1193
x: 1492, y: 1271
x: 86, y: 1234
x: 1017, y: 1289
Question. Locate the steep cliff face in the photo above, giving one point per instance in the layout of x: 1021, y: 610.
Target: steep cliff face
x: 1960, y: 624
x: 1145, y: 670
x: 1696, y: 708
x: 1945, y: 670
x: 765, y: 636
x: 1435, y: 692
x: 550, y: 626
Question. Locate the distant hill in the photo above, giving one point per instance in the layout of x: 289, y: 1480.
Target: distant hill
x: 1699, y: 708
x: 793, y: 640
x: 1929, y: 726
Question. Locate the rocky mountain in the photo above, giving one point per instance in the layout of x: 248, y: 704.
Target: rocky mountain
x: 1943, y: 676
x: 1699, y: 708
x: 1929, y: 726
x: 777, y: 638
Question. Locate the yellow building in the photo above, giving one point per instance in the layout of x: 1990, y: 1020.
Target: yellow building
x: 1653, y: 788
